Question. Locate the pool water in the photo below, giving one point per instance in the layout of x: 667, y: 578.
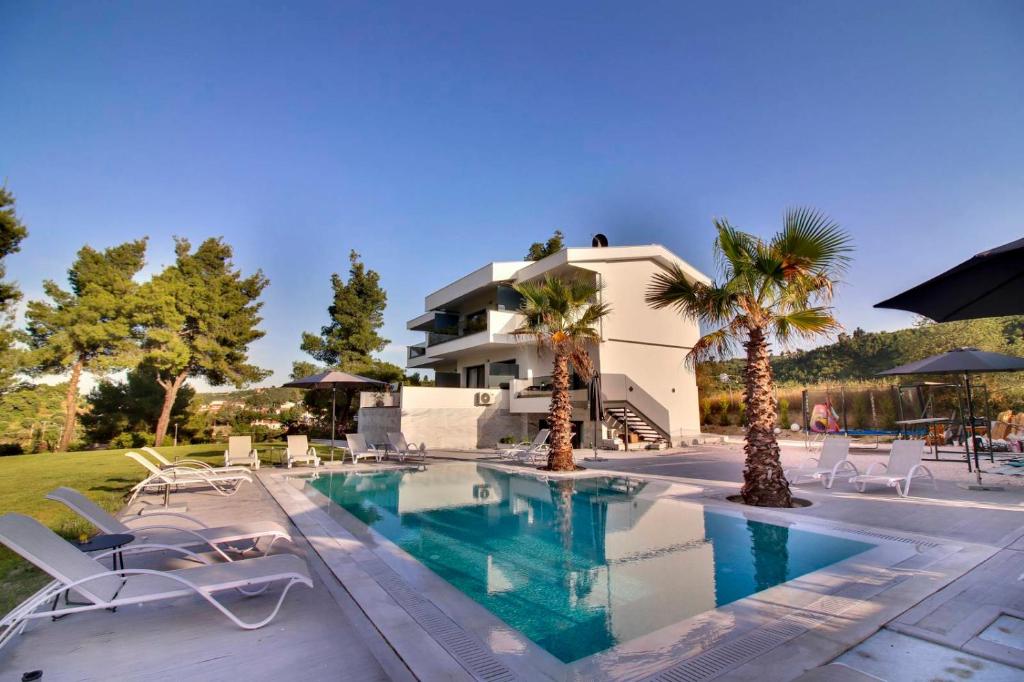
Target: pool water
x: 580, y: 565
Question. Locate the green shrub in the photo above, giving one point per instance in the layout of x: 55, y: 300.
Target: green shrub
x: 131, y: 439
x: 724, y: 419
x: 784, y: 411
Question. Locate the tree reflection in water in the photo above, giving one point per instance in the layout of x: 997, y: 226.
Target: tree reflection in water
x: 769, y: 547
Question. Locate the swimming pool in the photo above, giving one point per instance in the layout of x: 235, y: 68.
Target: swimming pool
x: 577, y: 565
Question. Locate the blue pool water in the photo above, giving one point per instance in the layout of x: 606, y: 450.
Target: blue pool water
x: 577, y: 566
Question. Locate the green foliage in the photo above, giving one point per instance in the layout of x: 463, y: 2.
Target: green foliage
x: 31, y: 416
x: 356, y: 315
x: 860, y: 356
x: 201, y: 315
x: 347, y: 342
x: 93, y: 322
x: 91, y: 327
x: 540, y: 250
x: 131, y: 439
x: 562, y: 315
x: 779, y: 286
x: 130, y: 407
x: 12, y: 232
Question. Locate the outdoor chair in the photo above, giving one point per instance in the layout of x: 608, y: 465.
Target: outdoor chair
x: 403, y: 448
x: 238, y: 537
x: 224, y: 483
x: 358, y: 449
x: 904, y: 464
x: 529, y: 450
x: 191, y: 463
x: 241, y: 451
x: 832, y: 464
x: 300, y: 451
x: 95, y: 587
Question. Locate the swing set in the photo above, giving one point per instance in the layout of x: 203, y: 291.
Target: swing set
x: 827, y: 417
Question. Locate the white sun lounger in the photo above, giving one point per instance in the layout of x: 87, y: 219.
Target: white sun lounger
x: 832, y: 464
x: 529, y: 450
x: 358, y: 449
x: 241, y: 451
x: 100, y: 588
x: 191, y: 463
x: 904, y: 464
x: 225, y: 483
x: 403, y: 448
x: 300, y: 451
x: 230, y: 537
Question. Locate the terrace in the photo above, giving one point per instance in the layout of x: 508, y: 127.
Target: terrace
x: 942, y: 570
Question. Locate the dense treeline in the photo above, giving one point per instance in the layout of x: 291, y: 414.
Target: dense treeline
x: 854, y: 360
x: 196, y: 318
x: 862, y: 355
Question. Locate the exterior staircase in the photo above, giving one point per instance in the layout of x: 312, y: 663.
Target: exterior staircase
x: 628, y: 418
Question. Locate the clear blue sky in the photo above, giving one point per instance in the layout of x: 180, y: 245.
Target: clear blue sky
x: 435, y: 137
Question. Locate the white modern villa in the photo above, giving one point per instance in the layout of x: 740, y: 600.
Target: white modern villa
x: 491, y: 384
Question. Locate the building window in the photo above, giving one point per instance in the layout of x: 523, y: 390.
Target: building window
x: 475, y: 377
x: 475, y: 322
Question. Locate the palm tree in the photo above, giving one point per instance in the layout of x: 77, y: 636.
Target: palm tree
x: 777, y: 288
x: 561, y: 315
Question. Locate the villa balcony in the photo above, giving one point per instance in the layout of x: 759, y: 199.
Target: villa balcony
x: 492, y: 330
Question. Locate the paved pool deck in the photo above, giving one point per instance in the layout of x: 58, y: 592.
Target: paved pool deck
x: 948, y: 597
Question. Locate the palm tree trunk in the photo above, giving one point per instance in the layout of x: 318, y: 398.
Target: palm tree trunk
x: 70, y: 408
x: 560, y: 415
x: 764, y: 484
x: 170, y: 395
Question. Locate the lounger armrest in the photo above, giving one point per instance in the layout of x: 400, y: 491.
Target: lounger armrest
x: 845, y: 463
x: 809, y: 463
x: 179, y: 515
x: 871, y: 468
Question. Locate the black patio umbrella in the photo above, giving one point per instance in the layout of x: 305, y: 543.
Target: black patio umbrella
x: 965, y: 361
x: 334, y: 380
x: 596, y: 408
x: 990, y: 284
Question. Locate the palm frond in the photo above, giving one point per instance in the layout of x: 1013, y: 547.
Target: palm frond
x: 805, y: 323
x: 811, y: 242
x: 719, y: 344
x: 673, y: 288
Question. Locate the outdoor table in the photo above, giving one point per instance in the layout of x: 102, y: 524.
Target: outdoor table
x: 99, y: 543
x: 905, y: 425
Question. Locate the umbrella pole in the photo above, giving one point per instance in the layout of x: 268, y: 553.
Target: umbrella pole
x: 970, y: 411
x: 334, y: 398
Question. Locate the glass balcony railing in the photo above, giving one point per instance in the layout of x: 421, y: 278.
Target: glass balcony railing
x: 417, y: 351
x: 434, y: 338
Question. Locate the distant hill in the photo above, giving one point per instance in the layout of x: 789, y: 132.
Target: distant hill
x: 860, y: 355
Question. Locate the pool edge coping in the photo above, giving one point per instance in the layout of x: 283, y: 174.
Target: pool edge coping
x: 749, y: 614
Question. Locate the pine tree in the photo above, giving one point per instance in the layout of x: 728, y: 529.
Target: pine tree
x: 12, y: 232
x: 356, y: 313
x: 540, y: 250
x: 199, y: 318
x: 350, y: 339
x: 91, y: 327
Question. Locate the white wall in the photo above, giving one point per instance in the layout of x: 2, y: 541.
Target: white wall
x: 648, y: 345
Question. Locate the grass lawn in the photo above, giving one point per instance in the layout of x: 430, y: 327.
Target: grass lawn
x: 106, y: 476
